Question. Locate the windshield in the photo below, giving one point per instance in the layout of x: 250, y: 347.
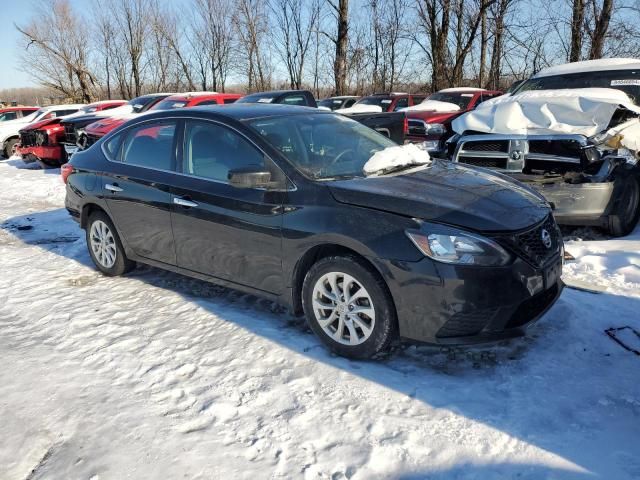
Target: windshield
x: 379, y: 101
x: 322, y: 146
x: 8, y: 116
x: 462, y: 99
x: 626, y: 80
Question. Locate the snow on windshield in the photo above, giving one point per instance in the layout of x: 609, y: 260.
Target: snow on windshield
x: 361, y: 108
x: 392, y: 158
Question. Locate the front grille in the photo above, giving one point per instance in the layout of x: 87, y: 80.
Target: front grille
x: 487, y: 146
x: 417, y: 127
x: 530, y: 245
x: 70, y: 134
x: 532, y: 308
x: 28, y: 139
x: 486, y: 162
x: 556, y: 148
x: 91, y: 139
x: 467, y: 323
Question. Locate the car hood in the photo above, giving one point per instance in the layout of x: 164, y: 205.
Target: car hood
x: 41, y: 124
x: 451, y: 194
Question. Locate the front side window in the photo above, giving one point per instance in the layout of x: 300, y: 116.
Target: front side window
x: 149, y: 145
x: 322, y: 146
x: 212, y: 150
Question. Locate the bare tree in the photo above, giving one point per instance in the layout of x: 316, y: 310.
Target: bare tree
x: 577, y: 32
x: 57, y: 52
x: 295, y: 25
x: 250, y: 21
x: 601, y: 20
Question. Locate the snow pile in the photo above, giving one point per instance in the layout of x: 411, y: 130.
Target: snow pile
x: 155, y: 375
x: 395, y: 157
x: 360, y: 108
x: 432, y: 106
x: 586, y: 111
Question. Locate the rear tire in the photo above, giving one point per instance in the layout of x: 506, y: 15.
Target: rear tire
x: 105, y: 247
x: 626, y: 209
x: 348, y: 306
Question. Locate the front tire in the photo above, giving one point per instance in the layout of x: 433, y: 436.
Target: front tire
x: 627, y: 208
x: 348, y: 306
x: 105, y: 247
x: 9, y: 147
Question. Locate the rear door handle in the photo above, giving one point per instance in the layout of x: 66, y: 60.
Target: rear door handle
x: 112, y: 187
x: 183, y: 202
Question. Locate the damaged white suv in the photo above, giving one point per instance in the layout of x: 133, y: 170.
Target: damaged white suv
x: 572, y: 132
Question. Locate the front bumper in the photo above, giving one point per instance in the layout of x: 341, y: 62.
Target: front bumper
x: 449, y: 304
x: 51, y: 154
x: 578, y: 204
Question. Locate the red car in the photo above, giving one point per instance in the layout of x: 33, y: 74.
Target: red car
x: 41, y: 141
x: 13, y: 113
x: 430, y: 121
x: 99, y: 129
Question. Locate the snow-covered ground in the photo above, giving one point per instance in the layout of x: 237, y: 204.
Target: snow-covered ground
x: 155, y: 375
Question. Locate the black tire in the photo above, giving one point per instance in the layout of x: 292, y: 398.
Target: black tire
x: 9, y: 146
x: 626, y: 210
x: 122, y: 264
x: 385, y: 324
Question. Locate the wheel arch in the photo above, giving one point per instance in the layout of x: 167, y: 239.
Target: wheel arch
x: 316, y: 253
x: 88, y: 209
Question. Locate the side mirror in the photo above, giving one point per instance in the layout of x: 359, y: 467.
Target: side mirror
x: 250, y: 177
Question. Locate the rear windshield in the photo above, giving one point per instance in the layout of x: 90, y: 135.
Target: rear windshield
x: 462, y: 99
x: 379, y: 101
x: 169, y: 104
x: 626, y: 80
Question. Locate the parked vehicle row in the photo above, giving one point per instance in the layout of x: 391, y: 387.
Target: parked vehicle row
x: 342, y: 214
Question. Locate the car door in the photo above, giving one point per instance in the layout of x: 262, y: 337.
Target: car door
x: 137, y: 187
x: 220, y: 230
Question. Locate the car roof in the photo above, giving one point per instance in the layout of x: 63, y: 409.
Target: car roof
x: 12, y: 109
x: 239, y: 111
x: 603, y: 64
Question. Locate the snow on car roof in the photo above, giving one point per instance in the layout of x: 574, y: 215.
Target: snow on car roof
x: 590, y: 66
x: 463, y: 89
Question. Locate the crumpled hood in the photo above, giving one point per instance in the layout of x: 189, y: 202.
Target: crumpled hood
x: 584, y: 111
x: 448, y: 193
x: 41, y: 124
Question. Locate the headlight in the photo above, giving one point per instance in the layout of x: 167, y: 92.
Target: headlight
x: 454, y: 246
x: 435, y: 129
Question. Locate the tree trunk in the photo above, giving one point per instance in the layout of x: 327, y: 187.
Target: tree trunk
x: 483, y: 49
x: 577, y: 20
x: 342, y: 43
x: 601, y: 30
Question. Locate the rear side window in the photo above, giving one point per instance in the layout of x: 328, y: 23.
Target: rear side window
x: 8, y: 116
x: 212, y: 150
x: 401, y: 103
x: 150, y: 145
x: 229, y: 100
x: 349, y: 103
x: 294, y: 100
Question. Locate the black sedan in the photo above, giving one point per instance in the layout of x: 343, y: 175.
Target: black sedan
x: 273, y: 200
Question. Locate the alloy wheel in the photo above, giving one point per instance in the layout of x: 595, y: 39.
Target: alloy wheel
x: 343, y: 308
x: 103, y: 244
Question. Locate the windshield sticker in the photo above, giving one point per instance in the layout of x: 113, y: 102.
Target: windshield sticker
x: 466, y: 94
x: 623, y: 83
x: 265, y: 100
x: 386, y: 102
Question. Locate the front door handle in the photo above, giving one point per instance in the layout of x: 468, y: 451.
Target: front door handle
x: 112, y: 187
x: 183, y: 202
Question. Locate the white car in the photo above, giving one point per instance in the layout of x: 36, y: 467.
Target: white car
x: 9, y: 130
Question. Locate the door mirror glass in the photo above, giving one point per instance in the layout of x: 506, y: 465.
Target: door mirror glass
x: 249, y: 178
